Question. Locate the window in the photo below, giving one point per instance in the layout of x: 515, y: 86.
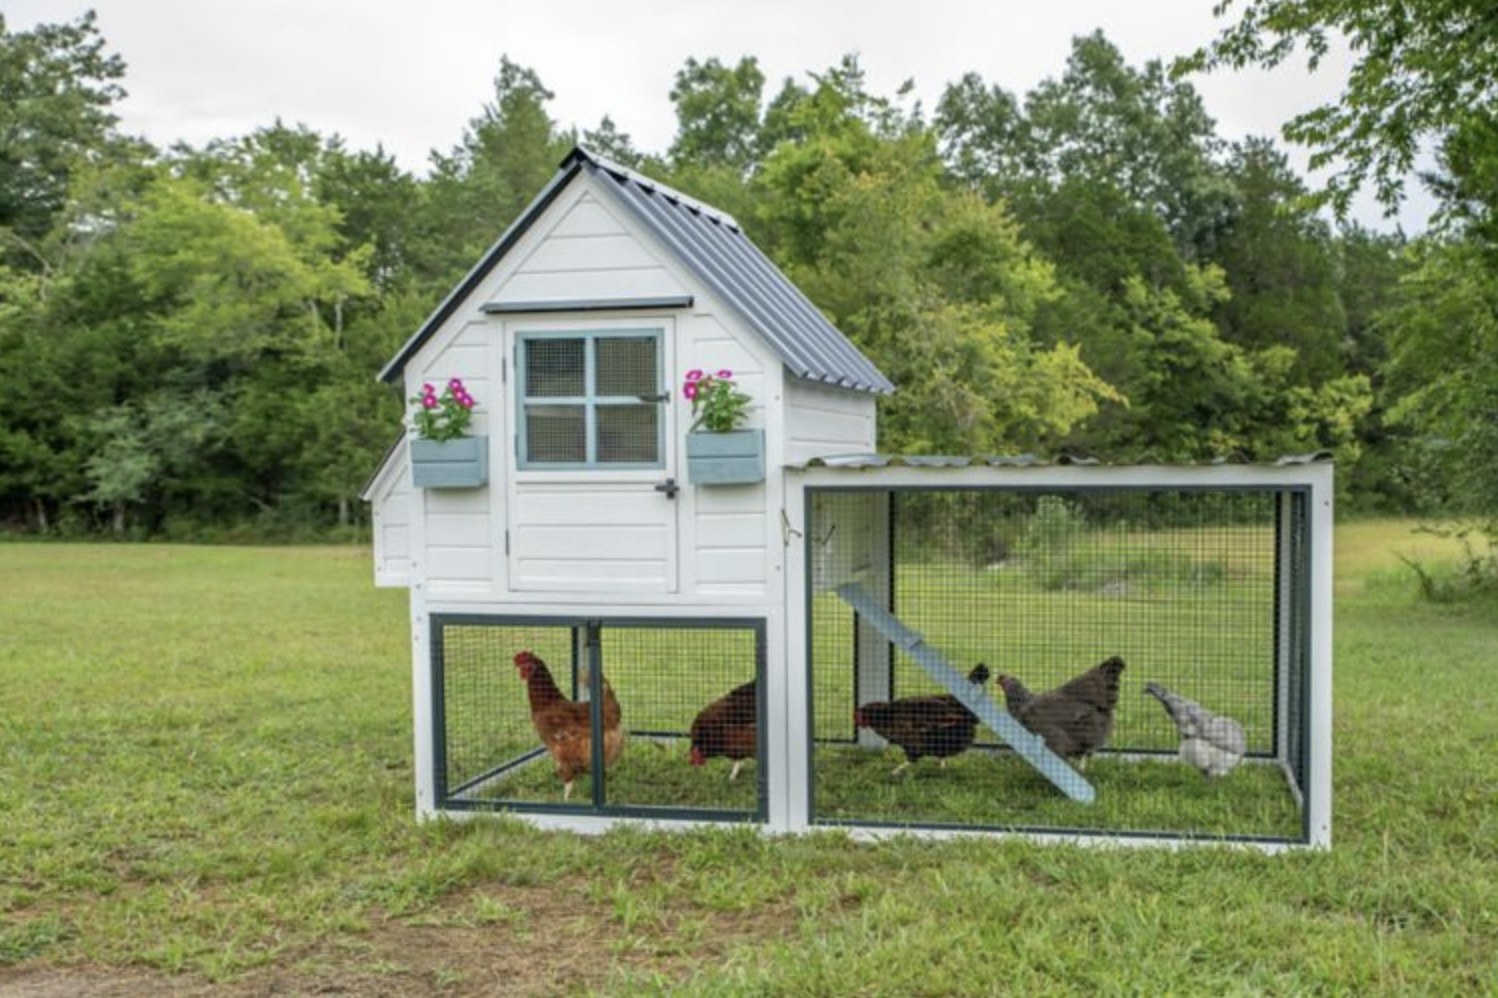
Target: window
x: 591, y: 399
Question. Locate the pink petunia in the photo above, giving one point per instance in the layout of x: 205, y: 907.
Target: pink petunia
x: 465, y: 400
x: 429, y: 402
x: 427, y: 390
x: 690, y: 391
x: 694, y: 375
x: 456, y: 384
x: 725, y: 373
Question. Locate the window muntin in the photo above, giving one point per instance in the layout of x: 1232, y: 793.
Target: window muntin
x: 591, y: 399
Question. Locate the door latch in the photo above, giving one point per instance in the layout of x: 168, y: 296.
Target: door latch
x: 669, y: 487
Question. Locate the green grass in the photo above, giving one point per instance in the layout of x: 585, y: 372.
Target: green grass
x: 205, y: 770
x: 1001, y: 790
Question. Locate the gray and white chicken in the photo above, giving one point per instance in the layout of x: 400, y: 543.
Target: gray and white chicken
x: 1212, y: 743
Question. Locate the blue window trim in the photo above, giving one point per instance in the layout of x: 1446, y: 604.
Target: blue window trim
x: 590, y: 401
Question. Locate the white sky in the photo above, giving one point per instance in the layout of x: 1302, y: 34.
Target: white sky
x: 410, y: 75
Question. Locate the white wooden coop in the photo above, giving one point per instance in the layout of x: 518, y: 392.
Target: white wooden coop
x: 830, y: 578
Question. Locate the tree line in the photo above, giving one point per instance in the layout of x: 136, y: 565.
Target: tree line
x: 188, y: 336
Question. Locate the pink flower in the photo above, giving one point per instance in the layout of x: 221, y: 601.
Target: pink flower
x: 427, y: 390
x: 725, y: 373
x: 429, y: 402
x: 694, y: 375
x: 690, y: 391
x: 456, y: 384
x: 465, y: 400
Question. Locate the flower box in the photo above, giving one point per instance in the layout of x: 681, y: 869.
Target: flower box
x: 449, y: 464
x: 733, y: 458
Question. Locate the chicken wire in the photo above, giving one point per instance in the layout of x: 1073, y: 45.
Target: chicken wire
x: 1203, y: 592
x: 662, y: 674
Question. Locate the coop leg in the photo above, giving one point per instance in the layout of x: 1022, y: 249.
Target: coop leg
x: 566, y: 790
x: 733, y: 774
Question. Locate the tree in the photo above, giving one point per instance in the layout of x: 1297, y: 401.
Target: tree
x: 608, y: 141
x: 1280, y: 267
x: 1102, y: 123
x: 717, y: 114
x: 57, y: 93
x: 508, y: 153
x: 1423, y: 71
x: 1442, y: 373
x: 934, y: 284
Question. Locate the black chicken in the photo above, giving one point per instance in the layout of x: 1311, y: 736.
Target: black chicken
x: 938, y: 726
x: 1075, y: 719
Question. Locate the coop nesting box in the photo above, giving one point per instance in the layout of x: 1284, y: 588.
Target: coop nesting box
x: 800, y: 582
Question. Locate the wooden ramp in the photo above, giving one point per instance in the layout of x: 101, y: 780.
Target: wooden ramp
x: 1030, y: 747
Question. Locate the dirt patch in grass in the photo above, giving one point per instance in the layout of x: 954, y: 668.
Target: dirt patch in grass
x: 96, y: 982
x: 489, y: 940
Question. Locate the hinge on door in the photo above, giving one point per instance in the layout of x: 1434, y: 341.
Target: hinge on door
x: 507, y: 543
x: 504, y: 370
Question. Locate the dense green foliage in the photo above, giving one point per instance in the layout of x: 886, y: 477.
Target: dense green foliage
x: 1424, y: 75
x: 188, y: 795
x: 188, y: 336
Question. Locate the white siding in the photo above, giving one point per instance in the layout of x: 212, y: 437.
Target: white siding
x: 822, y: 421
x: 593, y: 538
x: 392, y: 503
x: 729, y: 527
x: 588, y: 255
x: 458, y: 530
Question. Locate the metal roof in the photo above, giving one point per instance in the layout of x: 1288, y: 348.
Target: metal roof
x: 711, y: 245
x: 865, y: 462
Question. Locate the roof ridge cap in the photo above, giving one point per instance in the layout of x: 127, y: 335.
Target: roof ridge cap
x: 654, y: 186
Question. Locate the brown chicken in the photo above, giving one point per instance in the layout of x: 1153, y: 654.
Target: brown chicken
x: 564, y: 724
x: 1075, y: 719
x: 938, y: 726
x: 728, y: 728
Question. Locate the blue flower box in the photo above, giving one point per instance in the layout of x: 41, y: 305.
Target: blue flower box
x: 450, y: 464
x: 733, y: 458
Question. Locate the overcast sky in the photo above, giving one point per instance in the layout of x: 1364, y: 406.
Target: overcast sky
x: 410, y: 75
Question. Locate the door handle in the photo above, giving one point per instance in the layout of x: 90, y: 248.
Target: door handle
x: 669, y: 487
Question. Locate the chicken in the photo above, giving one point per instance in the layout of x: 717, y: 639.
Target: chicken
x: 1076, y: 719
x: 564, y: 725
x: 938, y: 726
x: 1212, y: 743
x: 728, y: 728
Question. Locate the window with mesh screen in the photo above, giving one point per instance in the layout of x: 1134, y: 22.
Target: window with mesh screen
x: 591, y: 400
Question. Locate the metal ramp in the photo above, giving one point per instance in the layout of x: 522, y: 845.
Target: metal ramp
x: 1028, y: 746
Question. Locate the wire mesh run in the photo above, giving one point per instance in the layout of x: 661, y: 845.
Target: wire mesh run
x: 1201, y: 592
x: 676, y: 729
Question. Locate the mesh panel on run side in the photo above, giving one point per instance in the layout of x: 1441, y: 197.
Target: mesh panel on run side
x: 490, y: 747
x: 665, y: 678
x: 1044, y: 586
x: 1298, y: 664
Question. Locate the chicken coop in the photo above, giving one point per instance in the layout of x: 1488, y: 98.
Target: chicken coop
x: 617, y: 616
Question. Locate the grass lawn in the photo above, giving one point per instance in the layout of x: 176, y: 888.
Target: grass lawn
x: 205, y: 787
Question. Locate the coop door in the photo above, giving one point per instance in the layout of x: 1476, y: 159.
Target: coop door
x: 594, y: 501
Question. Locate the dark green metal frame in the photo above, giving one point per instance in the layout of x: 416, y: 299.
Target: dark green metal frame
x: 591, y: 628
